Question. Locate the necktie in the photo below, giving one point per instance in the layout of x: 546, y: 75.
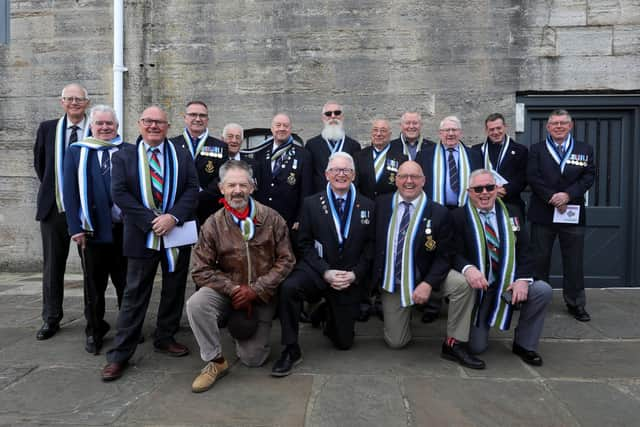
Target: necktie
x: 277, y: 165
x: 453, y: 173
x: 73, y: 137
x: 340, y: 206
x: 156, y: 177
x: 105, y: 164
x: 561, y: 150
x: 402, y: 232
x: 493, y: 246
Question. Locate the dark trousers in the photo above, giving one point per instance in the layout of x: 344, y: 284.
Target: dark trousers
x: 299, y: 287
x: 99, y: 262
x: 55, y: 250
x: 571, y: 239
x: 137, y: 293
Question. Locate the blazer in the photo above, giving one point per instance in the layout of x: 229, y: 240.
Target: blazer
x: 98, y: 195
x: 319, y: 151
x: 317, y: 227
x: 425, y: 143
x: 545, y: 179
x: 431, y: 266
x: 125, y: 190
x: 366, y: 175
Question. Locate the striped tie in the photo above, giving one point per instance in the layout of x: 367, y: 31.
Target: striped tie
x: 73, y: 136
x: 453, y: 173
x: 493, y: 246
x: 156, y: 177
x: 402, y: 232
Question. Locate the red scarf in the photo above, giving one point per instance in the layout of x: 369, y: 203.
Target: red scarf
x: 240, y: 215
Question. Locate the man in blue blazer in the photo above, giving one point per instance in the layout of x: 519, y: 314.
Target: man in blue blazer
x: 95, y: 222
x: 155, y: 185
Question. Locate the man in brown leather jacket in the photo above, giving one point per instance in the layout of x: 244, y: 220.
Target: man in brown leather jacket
x: 242, y: 256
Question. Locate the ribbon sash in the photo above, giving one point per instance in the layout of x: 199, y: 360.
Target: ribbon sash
x: 58, y: 158
x: 405, y: 146
x: 553, y: 151
x: 247, y: 225
x: 504, y: 149
x: 337, y: 147
x: 379, y: 160
x: 439, y: 174
x: 195, y: 151
x: 342, y: 234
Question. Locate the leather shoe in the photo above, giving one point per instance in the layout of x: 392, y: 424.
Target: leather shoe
x: 528, y: 356
x: 173, y: 349
x: 289, y: 358
x: 364, y: 312
x: 93, y: 345
x: 47, y: 331
x: 458, y: 353
x: 579, y: 313
x: 112, y: 371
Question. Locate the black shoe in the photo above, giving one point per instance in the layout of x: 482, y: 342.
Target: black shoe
x: 528, y: 356
x: 93, y: 345
x: 318, y: 316
x: 429, y: 317
x: 377, y: 309
x: 289, y: 358
x: 364, y: 312
x: 47, y: 331
x: 458, y: 353
x: 578, y: 312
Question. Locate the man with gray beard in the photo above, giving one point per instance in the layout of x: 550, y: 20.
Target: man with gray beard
x: 331, y: 140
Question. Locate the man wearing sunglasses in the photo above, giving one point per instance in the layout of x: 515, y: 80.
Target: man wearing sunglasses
x: 331, y: 140
x: 492, y: 253
x: 208, y: 154
x: 410, y: 138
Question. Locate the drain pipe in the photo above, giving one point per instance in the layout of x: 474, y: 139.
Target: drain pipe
x: 118, y: 61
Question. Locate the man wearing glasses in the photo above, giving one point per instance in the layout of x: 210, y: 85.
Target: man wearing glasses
x: 336, y: 243
x: 331, y: 140
x: 53, y: 139
x: 155, y: 185
x: 492, y: 254
x: 208, y: 154
x: 410, y: 138
x: 560, y: 171
x: 414, y: 250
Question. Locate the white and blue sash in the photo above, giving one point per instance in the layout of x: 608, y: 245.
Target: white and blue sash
x: 439, y: 175
x: 58, y: 158
x: 338, y: 146
x: 407, y: 281
x: 379, y: 160
x: 504, y: 147
x: 553, y: 151
x: 247, y: 225
x: 405, y: 146
x: 342, y: 234
x: 195, y: 148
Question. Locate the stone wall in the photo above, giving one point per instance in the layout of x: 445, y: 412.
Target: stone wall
x: 249, y: 59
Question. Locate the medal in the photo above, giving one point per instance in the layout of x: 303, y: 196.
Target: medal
x: 429, y: 244
x: 291, y: 179
x: 392, y: 178
x: 209, y: 168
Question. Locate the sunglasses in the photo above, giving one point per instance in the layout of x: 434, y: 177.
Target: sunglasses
x: 333, y: 113
x: 478, y: 188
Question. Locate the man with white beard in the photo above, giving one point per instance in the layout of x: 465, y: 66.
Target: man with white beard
x: 331, y: 140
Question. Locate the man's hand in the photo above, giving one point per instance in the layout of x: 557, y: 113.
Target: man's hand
x: 520, y: 289
x: 501, y: 191
x: 295, y: 225
x: 475, y: 278
x: 339, y: 279
x: 421, y: 293
x: 80, y: 239
x: 559, y: 200
x: 162, y: 224
x: 242, y: 296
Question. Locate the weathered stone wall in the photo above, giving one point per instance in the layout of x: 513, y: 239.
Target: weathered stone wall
x: 251, y: 58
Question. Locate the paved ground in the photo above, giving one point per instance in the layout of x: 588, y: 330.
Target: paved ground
x: 591, y: 375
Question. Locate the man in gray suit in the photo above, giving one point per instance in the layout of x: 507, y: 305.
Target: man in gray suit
x: 492, y: 255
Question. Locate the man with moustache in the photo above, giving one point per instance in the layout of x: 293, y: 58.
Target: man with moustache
x: 283, y: 172
x: 560, y: 171
x: 336, y: 239
x: 208, y: 154
x: 95, y: 222
x: 52, y: 140
x: 410, y: 128
x: 156, y: 186
x: 414, y: 250
x: 331, y: 140
x: 242, y: 256
x: 508, y: 159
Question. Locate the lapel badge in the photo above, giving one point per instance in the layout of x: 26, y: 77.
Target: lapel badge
x: 513, y: 152
x: 291, y: 179
x: 429, y: 244
x: 515, y: 224
x: 209, y: 168
x: 295, y: 164
x: 392, y: 178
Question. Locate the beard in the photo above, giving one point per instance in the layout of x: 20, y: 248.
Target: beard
x: 333, y: 132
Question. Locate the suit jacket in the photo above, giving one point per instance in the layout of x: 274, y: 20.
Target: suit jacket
x: 316, y: 225
x: 514, y: 169
x: 286, y: 191
x: 465, y: 248
x: 98, y: 195
x: 366, y: 174
x: 545, y: 178
x: 425, y: 143
x: 319, y: 151
x: 425, y: 159
x: 430, y: 266
x: 125, y: 190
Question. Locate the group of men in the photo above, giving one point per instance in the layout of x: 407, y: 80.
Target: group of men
x: 327, y: 223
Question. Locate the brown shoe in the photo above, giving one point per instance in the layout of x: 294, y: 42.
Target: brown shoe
x: 209, y: 374
x: 113, y: 371
x: 173, y: 349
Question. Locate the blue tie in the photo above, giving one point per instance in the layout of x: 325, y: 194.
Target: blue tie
x: 402, y: 232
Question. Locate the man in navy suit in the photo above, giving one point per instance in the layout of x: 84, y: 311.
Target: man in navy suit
x: 336, y: 242
x: 95, y: 222
x: 52, y: 141
x: 506, y: 157
x: 155, y: 185
x: 560, y: 171
x: 331, y: 140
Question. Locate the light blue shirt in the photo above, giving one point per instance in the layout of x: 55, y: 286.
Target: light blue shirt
x: 451, y: 198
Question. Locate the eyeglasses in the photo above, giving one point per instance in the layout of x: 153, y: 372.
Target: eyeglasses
x: 560, y: 123
x: 74, y: 99
x: 447, y: 130
x: 103, y: 123
x: 233, y: 137
x: 340, y: 171
x: 148, y: 122
x: 405, y: 176
x: 479, y: 188
x: 333, y: 113
x: 198, y: 115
